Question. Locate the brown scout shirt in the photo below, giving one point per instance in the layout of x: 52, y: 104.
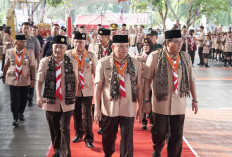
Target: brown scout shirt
x: 142, y: 58
x: 228, y: 48
x: 121, y: 107
x: 41, y: 76
x: 174, y: 105
x: 28, y: 61
x: 89, y: 69
x: 206, y: 48
x: 141, y: 38
x: 7, y: 43
x: 201, y: 39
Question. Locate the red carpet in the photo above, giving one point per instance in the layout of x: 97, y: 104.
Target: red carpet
x: 142, y: 144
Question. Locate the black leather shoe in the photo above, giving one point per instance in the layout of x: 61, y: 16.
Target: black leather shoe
x: 89, y: 144
x: 99, y: 131
x: 16, y: 123
x: 55, y: 155
x: 21, y: 117
x: 156, y: 154
x: 144, y: 127
x: 77, y: 139
x: 30, y: 103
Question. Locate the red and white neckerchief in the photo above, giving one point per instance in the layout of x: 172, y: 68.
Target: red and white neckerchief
x: 175, y: 64
x: 121, y: 69
x: 191, y: 43
x: 122, y: 32
x: 19, y: 68
x: 105, y: 52
x: 12, y: 41
x: 229, y: 41
x: 58, y: 80
x: 138, y: 36
x: 175, y: 78
x: 81, y: 72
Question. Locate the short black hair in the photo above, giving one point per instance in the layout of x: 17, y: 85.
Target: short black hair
x: 35, y: 27
x: 7, y: 30
x: 55, y: 24
x: 26, y: 24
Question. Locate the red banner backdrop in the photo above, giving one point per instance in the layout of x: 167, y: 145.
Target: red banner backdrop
x: 69, y: 27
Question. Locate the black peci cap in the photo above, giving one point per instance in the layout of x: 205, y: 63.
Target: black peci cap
x: 20, y: 37
x: 172, y: 34
x: 80, y: 36
x: 103, y: 31
x: 63, y: 28
x: 60, y: 39
x: 120, y: 39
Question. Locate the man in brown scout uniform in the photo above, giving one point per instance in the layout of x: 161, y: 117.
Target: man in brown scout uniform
x: 117, y: 87
x: 123, y: 30
x: 87, y: 62
x: 140, y: 38
x: 172, y: 81
x: 20, y: 65
x: 61, y: 80
x: 200, y: 45
x: 228, y: 49
x: 104, y: 49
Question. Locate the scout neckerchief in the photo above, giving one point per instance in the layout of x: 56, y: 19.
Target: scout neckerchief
x: 80, y: 60
x: 19, y: 62
x: 139, y: 36
x: 191, y: 42
x: 58, y: 80
x: 162, y: 76
x: 122, y: 32
x: 121, y: 68
x: 229, y: 41
x: 115, y: 91
x: 10, y: 37
x: 175, y: 64
x: 105, y: 52
x: 49, y: 93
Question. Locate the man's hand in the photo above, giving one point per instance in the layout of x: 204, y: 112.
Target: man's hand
x: 195, y: 107
x: 139, y: 115
x: 147, y: 107
x: 32, y: 83
x: 97, y: 115
x: 39, y: 102
x: 4, y: 80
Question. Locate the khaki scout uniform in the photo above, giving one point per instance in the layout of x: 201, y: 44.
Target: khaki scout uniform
x: 121, y: 107
x: 228, y: 47
x: 41, y: 76
x: 58, y: 115
x: 141, y: 36
x: 115, y: 112
x: 168, y: 113
x: 7, y: 43
x: 84, y: 98
x: 19, y: 88
x: 200, y: 46
x: 99, y: 50
x: 174, y: 105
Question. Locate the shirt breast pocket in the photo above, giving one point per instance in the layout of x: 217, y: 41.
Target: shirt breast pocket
x: 108, y: 75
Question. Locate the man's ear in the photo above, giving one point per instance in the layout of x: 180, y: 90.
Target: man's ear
x: 112, y: 46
